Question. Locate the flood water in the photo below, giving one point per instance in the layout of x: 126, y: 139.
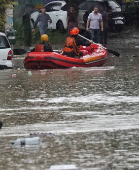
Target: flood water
x: 88, y: 116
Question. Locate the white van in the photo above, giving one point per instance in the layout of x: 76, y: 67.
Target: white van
x: 5, y: 52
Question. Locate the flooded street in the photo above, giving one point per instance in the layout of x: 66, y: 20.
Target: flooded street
x: 88, y: 116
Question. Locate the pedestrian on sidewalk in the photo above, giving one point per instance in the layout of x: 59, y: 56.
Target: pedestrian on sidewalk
x: 42, y: 22
x: 95, y: 25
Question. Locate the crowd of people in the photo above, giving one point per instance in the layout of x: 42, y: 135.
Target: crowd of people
x: 96, y: 25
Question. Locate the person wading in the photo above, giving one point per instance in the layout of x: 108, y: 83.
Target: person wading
x: 72, y: 44
x: 103, y: 39
x: 27, y: 30
x: 1, y: 124
x: 72, y: 19
x: 44, y: 46
x: 94, y: 25
x: 42, y: 22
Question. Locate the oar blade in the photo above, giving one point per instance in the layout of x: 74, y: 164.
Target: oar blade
x: 113, y: 52
x: 110, y: 51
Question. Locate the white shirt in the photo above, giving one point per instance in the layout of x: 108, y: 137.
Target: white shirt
x: 95, y: 20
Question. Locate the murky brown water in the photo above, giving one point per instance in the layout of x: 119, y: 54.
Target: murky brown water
x: 92, y: 115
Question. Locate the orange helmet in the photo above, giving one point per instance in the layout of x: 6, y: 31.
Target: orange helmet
x: 74, y: 31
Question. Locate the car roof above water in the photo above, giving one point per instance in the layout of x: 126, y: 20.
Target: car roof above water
x: 96, y: 0
x: 63, y: 2
x: 3, y: 34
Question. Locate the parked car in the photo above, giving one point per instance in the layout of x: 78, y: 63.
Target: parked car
x: 58, y: 16
x: 57, y: 10
x: 130, y: 11
x: 5, y: 52
x: 115, y: 18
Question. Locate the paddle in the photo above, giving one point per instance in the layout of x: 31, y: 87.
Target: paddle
x: 110, y: 51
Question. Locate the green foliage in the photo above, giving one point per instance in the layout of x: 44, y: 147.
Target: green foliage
x: 55, y: 37
x: 3, y: 5
x: 19, y: 33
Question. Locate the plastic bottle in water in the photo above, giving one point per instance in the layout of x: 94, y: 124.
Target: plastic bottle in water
x: 30, y: 73
x: 26, y: 141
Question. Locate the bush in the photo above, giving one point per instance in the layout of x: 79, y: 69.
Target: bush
x: 55, y: 37
x: 3, y: 5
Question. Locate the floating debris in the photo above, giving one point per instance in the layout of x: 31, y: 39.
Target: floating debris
x: 131, y: 60
x: 63, y: 167
x: 13, y: 75
x: 26, y: 141
x: 134, y: 56
x: 43, y: 72
x: 30, y: 73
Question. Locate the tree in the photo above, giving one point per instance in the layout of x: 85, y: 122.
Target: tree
x: 3, y: 5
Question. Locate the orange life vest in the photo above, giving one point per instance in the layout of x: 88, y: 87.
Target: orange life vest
x: 39, y: 48
x: 71, y: 46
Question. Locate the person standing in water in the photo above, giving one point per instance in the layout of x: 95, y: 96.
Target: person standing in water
x: 27, y: 30
x: 1, y: 124
x: 42, y: 22
x: 72, y: 19
x: 103, y: 39
x: 95, y: 25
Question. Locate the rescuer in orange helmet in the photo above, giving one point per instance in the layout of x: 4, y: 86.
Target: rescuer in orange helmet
x: 72, y: 44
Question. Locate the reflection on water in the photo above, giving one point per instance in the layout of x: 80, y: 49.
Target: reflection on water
x: 84, y: 116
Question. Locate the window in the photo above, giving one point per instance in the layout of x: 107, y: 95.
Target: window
x: 114, y: 6
x: 85, y: 6
x: 130, y: 7
x: 48, y: 8
x: 65, y: 7
x: 3, y: 42
x: 89, y: 6
x: 137, y: 4
x: 56, y: 6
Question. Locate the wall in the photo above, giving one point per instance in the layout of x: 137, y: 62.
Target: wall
x: 9, y: 18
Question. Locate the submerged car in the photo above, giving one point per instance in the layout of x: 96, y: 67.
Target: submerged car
x: 115, y: 18
x: 56, y: 13
x: 57, y: 10
x: 5, y: 52
x: 130, y: 11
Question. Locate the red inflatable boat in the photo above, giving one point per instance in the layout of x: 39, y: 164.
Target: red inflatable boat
x: 93, y: 56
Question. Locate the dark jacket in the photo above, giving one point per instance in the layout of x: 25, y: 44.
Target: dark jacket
x: 105, y: 20
x: 42, y: 20
x: 81, y: 41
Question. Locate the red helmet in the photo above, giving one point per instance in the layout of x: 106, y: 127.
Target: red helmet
x: 74, y: 31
